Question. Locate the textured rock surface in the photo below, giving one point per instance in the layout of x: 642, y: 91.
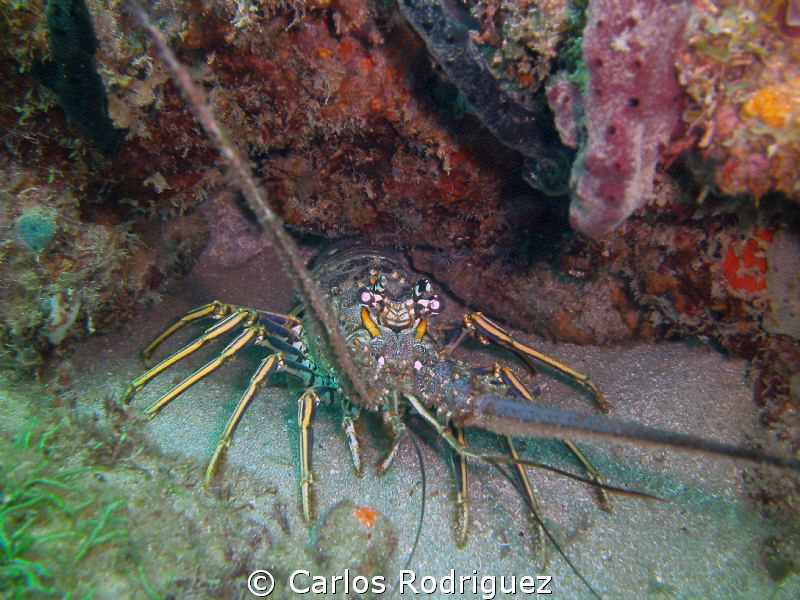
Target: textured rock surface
x: 452, y: 38
x: 741, y: 72
x: 65, y: 275
x: 783, y: 282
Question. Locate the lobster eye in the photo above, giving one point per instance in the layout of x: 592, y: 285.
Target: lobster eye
x: 430, y: 306
x: 380, y: 284
x: 365, y: 297
x: 423, y: 288
x: 435, y: 305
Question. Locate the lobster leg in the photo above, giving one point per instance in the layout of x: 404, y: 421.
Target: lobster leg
x: 391, y: 416
x: 351, y: 413
x: 230, y: 350
x: 462, y: 499
x: 605, y: 502
x: 507, y: 376
x: 224, y: 326
x: 485, y: 329
x: 215, y: 309
x: 593, y: 473
x: 305, y: 416
x: 536, y: 513
x: 496, y: 372
x: 270, y: 365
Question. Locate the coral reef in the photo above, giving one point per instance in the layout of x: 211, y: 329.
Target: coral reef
x: 677, y: 269
x: 731, y: 113
x: 72, y: 261
x: 740, y: 69
x: 334, y: 117
x: 63, y: 276
x: 339, y: 115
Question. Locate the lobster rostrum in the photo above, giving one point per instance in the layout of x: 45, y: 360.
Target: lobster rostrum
x: 363, y: 339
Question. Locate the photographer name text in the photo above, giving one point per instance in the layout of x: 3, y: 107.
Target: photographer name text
x: 409, y: 583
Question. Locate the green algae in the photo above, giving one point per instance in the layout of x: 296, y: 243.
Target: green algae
x: 90, y: 509
x: 36, y: 228
x: 46, y: 514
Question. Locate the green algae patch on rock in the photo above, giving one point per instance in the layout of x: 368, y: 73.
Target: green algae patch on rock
x: 36, y: 229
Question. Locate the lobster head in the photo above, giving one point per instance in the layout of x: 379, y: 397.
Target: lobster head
x: 398, y: 305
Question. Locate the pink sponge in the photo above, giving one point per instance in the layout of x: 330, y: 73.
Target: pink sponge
x: 632, y: 106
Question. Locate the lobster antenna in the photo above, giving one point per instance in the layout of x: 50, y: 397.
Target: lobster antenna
x: 421, y: 463
x: 498, y: 461
x: 293, y: 264
x: 547, y: 533
x: 507, y: 417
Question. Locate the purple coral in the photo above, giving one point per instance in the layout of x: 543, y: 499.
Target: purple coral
x: 632, y: 106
